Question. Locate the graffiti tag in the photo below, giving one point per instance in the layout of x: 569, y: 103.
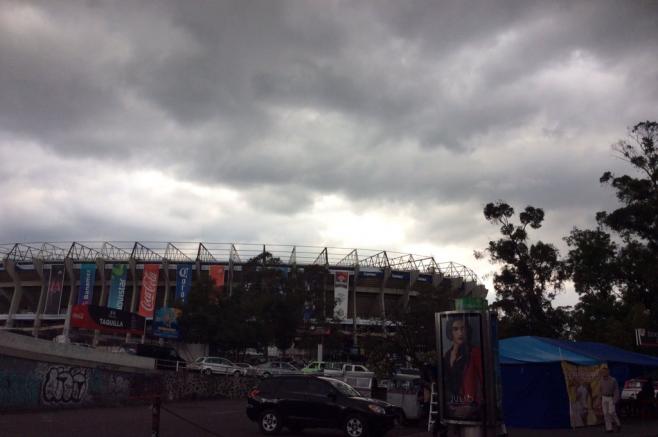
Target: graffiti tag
x: 64, y: 385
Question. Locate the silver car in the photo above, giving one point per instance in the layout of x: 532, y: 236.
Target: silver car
x: 208, y: 365
x: 276, y: 368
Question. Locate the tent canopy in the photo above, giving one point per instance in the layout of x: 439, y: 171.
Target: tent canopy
x: 523, y: 350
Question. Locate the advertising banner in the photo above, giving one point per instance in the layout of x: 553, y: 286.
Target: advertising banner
x: 405, y: 276
x: 584, y: 391
x: 341, y: 293
x: 427, y: 279
x: 217, y: 275
x: 87, y: 281
x: 183, y: 281
x: 149, y: 290
x: 55, y: 289
x: 106, y: 320
x: 165, y: 323
x: 462, y: 368
x: 117, y: 286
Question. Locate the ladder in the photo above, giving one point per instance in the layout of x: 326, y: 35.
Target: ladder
x: 434, y: 408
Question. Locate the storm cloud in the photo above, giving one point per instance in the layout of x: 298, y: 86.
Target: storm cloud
x: 290, y: 121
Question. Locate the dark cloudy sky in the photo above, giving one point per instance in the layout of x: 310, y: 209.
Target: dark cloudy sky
x: 376, y: 124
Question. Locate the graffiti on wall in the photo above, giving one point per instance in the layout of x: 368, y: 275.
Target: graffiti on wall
x: 64, y: 385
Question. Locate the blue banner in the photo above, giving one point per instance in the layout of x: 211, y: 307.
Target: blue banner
x: 425, y: 278
x: 165, y: 323
x: 400, y: 275
x: 118, y: 286
x: 183, y: 281
x: 87, y: 281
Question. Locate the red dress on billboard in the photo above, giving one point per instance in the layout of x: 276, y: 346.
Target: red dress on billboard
x: 463, y: 379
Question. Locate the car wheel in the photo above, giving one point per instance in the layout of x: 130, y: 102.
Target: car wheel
x: 206, y: 372
x: 270, y: 422
x: 355, y: 426
x: 237, y: 373
x: 267, y: 375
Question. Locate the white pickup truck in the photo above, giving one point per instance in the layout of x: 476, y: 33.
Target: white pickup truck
x: 347, y: 369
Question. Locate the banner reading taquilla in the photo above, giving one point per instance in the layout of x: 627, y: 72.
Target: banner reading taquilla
x: 583, y: 388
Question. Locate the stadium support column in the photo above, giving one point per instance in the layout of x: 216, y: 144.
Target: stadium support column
x: 132, y: 265
x: 354, y: 336
x: 10, y: 266
x: 382, y: 299
x: 38, y: 267
x: 68, y: 263
x: 165, y: 267
x: 413, y: 277
x: 102, y: 300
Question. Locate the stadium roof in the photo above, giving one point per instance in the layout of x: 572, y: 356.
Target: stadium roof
x: 237, y: 253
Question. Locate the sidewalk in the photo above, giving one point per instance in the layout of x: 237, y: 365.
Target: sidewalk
x: 630, y: 428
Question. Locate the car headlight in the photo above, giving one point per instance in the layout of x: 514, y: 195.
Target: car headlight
x: 376, y: 409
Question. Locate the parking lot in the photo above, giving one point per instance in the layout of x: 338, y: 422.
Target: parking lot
x: 223, y: 418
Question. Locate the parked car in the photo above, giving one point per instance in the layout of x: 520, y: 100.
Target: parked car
x: 314, y: 367
x: 276, y: 368
x: 346, y: 369
x: 247, y: 369
x: 208, y: 365
x: 632, y: 388
x: 308, y: 401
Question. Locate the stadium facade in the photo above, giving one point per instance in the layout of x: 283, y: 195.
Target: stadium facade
x: 40, y: 283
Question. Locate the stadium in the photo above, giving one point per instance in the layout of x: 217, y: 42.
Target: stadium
x: 42, y: 284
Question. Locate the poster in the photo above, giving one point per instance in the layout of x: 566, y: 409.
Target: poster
x: 149, y: 290
x: 87, y: 281
x: 55, y: 289
x: 217, y: 275
x: 462, y: 368
x: 106, y: 320
x: 341, y: 293
x: 117, y: 286
x: 165, y: 323
x: 583, y: 389
x: 183, y: 281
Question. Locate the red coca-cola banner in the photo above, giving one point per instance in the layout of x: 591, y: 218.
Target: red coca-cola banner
x: 217, y: 275
x: 149, y: 290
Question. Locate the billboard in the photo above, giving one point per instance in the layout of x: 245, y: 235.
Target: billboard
x: 341, y: 293
x: 183, y: 281
x: 106, y: 319
x: 55, y: 289
x: 165, y: 323
x: 462, y: 368
x: 117, y: 286
x: 149, y: 289
x: 584, y: 391
x: 87, y: 281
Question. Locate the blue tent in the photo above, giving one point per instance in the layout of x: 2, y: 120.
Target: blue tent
x: 534, y: 389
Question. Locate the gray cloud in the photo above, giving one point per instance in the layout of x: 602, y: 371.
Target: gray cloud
x: 405, y: 104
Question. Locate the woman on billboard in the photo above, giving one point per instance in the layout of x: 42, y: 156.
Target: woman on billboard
x: 462, y: 370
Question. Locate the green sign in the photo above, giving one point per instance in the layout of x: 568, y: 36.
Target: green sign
x: 471, y: 304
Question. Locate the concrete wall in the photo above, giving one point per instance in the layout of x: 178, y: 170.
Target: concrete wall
x: 30, y: 384
x: 193, y: 385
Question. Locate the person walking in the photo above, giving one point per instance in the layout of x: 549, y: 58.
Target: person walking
x: 609, y: 397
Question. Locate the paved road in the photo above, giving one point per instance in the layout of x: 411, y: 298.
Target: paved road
x: 224, y: 418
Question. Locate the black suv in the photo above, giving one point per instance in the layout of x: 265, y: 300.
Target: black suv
x: 299, y: 402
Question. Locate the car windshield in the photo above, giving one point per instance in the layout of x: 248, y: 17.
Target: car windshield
x: 343, y: 388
